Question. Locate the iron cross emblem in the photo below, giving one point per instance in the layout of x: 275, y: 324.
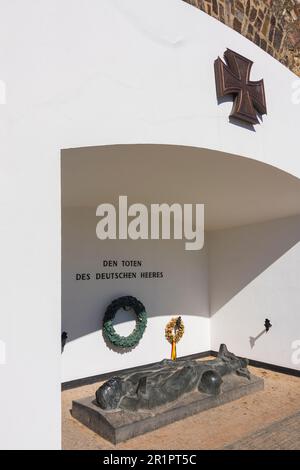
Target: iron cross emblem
x: 233, y: 78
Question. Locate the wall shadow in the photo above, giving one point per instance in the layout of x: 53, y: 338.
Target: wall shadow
x: 237, y: 256
x: 253, y: 339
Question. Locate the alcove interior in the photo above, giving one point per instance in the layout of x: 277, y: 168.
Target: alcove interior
x: 251, y: 221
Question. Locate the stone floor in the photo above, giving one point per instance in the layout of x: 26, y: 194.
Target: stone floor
x: 284, y: 434
x: 269, y: 419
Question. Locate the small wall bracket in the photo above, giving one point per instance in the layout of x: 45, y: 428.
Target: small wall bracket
x: 267, y: 325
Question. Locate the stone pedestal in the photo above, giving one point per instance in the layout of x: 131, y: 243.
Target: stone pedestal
x: 121, y: 425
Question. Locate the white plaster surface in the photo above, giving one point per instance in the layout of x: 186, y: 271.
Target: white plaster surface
x: 104, y: 72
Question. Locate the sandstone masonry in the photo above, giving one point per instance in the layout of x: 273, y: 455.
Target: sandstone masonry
x: 274, y: 25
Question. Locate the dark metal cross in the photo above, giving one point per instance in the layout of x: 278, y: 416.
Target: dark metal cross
x: 233, y: 78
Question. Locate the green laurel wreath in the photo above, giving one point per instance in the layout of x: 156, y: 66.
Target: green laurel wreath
x: 126, y: 302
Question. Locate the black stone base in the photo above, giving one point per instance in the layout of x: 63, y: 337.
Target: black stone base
x: 119, y: 425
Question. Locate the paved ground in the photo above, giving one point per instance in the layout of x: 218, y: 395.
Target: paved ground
x: 284, y: 434
x: 266, y: 419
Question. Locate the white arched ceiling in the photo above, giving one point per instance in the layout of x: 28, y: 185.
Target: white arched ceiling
x: 235, y: 191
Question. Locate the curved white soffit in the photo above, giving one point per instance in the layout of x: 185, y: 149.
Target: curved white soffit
x: 136, y: 72
x: 236, y: 191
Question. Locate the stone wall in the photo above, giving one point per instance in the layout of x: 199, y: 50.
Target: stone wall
x: 274, y: 25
